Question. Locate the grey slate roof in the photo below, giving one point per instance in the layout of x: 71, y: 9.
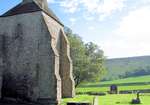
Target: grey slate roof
x: 28, y: 8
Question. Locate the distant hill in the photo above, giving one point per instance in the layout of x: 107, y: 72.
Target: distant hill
x: 127, y: 67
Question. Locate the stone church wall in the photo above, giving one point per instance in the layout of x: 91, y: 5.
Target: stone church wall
x: 35, y: 61
x: 27, y: 58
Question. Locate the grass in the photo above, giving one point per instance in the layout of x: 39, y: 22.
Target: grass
x: 78, y: 98
x: 119, y: 99
x: 141, y: 79
x: 122, y: 99
x: 104, y: 89
x: 129, y: 80
x: 96, y: 87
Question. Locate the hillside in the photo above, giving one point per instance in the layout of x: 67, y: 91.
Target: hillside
x: 131, y: 81
x: 127, y: 67
x: 139, y: 79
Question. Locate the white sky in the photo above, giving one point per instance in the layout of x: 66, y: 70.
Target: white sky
x: 132, y: 37
x: 120, y: 27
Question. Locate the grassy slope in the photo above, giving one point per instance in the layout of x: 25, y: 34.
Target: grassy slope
x: 95, y: 87
x: 129, y: 80
x: 140, y: 79
x: 127, y: 67
x: 112, y: 99
x: 104, y: 89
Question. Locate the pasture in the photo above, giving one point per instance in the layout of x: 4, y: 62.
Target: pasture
x: 120, y: 99
x: 123, y: 99
x: 139, y: 83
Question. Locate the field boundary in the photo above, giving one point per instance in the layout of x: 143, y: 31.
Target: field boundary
x: 96, y: 100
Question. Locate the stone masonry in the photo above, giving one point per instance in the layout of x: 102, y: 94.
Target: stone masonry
x: 35, y: 63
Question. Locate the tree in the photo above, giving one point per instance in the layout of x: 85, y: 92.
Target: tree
x: 97, y: 59
x: 87, y: 59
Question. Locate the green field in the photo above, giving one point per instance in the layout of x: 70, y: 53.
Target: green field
x: 120, y: 99
x: 104, y: 89
x: 141, y: 79
x: 78, y: 98
x: 129, y: 80
x: 110, y: 99
x: 98, y: 87
x: 123, y: 99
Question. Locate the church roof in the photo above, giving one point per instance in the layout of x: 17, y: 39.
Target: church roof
x: 28, y: 8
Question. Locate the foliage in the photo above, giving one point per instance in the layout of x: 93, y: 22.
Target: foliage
x: 96, y: 56
x: 127, y: 67
x: 88, y: 59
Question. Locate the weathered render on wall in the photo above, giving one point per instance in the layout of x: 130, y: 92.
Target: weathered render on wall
x: 35, y: 62
x: 66, y: 67
x: 62, y: 46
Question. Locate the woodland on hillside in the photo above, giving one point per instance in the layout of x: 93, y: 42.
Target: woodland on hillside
x: 127, y: 67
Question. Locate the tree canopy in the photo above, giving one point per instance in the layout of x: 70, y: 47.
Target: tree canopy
x: 88, y: 59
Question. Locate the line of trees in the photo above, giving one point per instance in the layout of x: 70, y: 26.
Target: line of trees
x: 88, y: 59
x: 127, y: 67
